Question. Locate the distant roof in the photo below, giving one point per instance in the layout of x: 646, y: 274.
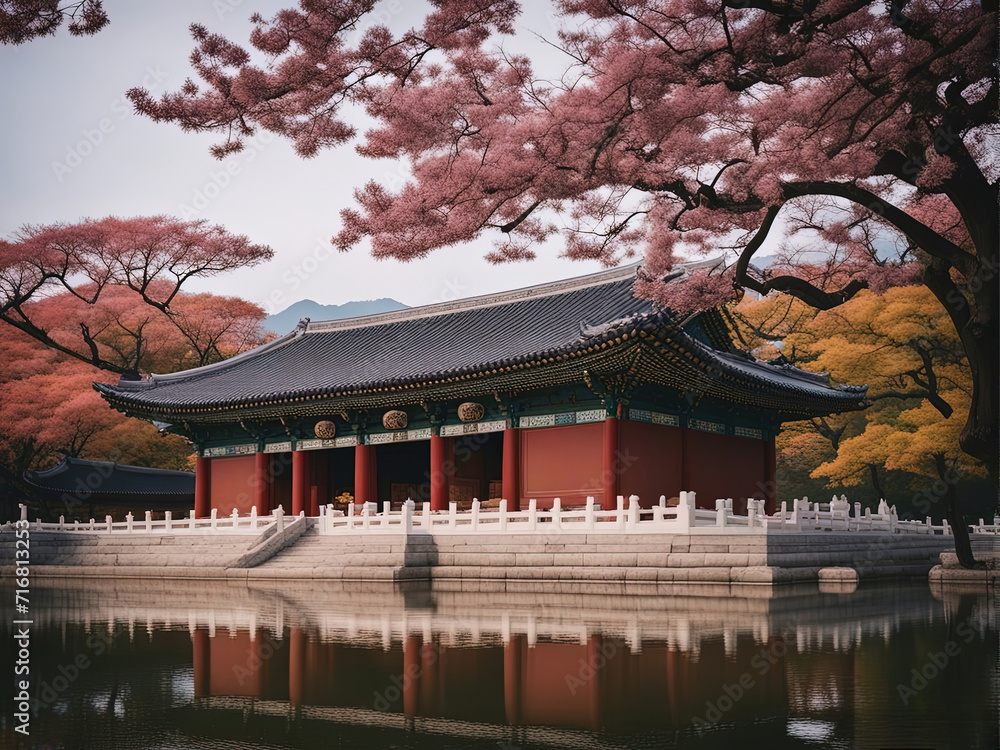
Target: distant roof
x: 77, y: 476
x: 488, y: 337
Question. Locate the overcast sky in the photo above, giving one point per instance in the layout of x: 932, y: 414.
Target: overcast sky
x: 72, y: 148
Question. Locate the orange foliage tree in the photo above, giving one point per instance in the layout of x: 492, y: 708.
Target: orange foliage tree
x: 903, y: 346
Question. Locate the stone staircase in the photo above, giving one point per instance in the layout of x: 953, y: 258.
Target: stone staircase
x: 359, y: 558
x: 84, y: 553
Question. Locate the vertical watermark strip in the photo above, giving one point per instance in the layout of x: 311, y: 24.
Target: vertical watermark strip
x: 22, y: 626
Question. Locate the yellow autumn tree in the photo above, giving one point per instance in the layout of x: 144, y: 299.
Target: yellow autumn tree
x: 903, y: 346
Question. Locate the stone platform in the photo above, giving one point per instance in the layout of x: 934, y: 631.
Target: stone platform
x: 299, y: 552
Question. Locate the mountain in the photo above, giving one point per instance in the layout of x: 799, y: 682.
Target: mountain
x: 284, y: 321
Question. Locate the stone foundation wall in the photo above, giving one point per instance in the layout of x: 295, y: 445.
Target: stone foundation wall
x: 720, y: 558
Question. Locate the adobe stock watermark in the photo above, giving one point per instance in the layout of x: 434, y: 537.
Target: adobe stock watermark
x: 381, y: 14
x: 591, y: 666
x: 259, y: 652
x: 95, y: 136
x: 938, y: 661
x: 49, y: 691
x: 218, y: 180
x: 731, y: 694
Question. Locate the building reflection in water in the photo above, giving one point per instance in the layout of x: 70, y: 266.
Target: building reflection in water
x: 820, y: 667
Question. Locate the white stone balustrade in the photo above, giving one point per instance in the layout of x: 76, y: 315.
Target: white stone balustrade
x: 231, y: 524
x: 627, y: 516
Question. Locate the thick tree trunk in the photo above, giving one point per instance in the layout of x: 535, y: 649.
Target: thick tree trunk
x: 979, y: 436
x: 977, y: 322
x: 876, y: 484
x: 963, y: 545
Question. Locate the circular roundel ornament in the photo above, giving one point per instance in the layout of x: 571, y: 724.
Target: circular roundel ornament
x: 394, y: 420
x: 325, y: 429
x: 470, y: 411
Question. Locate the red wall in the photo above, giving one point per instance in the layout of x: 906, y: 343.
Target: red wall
x: 723, y: 466
x: 650, y: 461
x: 232, y: 484
x: 564, y: 462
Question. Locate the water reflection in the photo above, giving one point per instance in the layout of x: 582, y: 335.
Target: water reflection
x: 167, y: 664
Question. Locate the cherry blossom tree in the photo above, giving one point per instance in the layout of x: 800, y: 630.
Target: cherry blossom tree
x: 48, y: 407
x: 109, y: 292
x: 860, y: 135
x: 24, y: 20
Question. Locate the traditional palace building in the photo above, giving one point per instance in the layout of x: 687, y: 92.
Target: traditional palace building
x: 565, y: 390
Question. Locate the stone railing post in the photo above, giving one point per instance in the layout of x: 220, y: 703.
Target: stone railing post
x: 408, y: 516
x: 107, y: 521
x: 128, y: 522
x: 62, y: 523
x: 350, y: 515
x: 149, y: 520
x: 589, y: 517
x: 751, y: 512
x: 253, y: 517
x: 475, y: 514
x: 279, y: 518
x: 24, y: 511
x: 215, y: 519
x: 685, y: 510
x: 620, y: 512
x: 556, y: 514
x: 425, y: 511
x: 168, y: 520
x: 503, y: 514
x: 532, y: 514
x: 452, y: 514
x: 633, y: 511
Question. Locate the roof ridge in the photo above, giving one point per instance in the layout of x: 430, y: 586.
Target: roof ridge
x: 546, y: 289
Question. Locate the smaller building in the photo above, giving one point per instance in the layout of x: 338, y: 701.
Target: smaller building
x: 81, y: 489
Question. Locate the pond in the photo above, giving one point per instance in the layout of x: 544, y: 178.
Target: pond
x: 217, y: 664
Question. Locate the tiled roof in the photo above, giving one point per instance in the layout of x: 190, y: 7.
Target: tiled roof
x: 79, y: 476
x: 437, y: 342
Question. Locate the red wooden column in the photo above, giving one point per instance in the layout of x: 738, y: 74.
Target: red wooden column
x: 262, y: 483
x: 430, y: 688
x: 412, y: 653
x: 770, y: 476
x: 364, y: 471
x: 442, y: 466
x: 202, y: 487
x: 610, y: 473
x: 512, y: 655
x: 318, y: 486
x: 300, y: 482
x: 201, y: 647
x: 511, y: 490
